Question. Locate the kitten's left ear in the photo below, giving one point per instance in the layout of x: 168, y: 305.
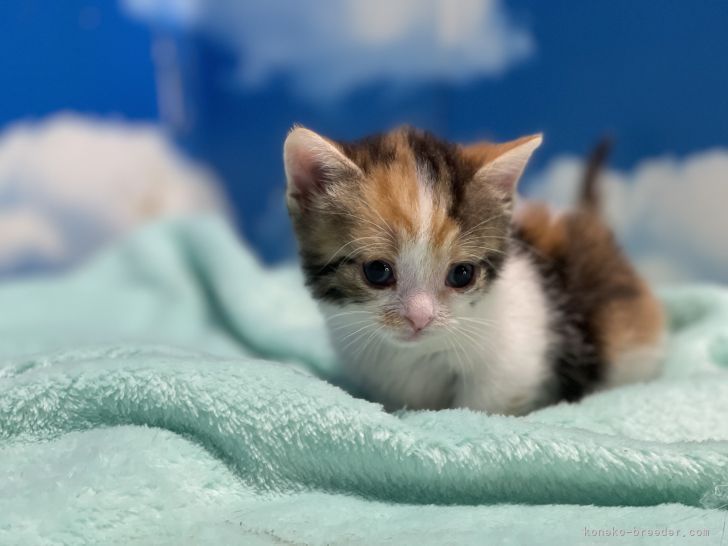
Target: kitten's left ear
x: 503, y: 164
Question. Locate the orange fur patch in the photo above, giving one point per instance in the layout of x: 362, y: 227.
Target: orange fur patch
x: 482, y: 152
x: 624, y: 312
x: 631, y: 325
x: 392, y: 199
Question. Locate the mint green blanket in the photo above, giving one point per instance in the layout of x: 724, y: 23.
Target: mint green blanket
x: 170, y: 392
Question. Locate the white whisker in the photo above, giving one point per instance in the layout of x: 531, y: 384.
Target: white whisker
x: 476, y: 226
x: 347, y: 313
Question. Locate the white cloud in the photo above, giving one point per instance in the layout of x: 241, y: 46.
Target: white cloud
x: 25, y: 235
x: 669, y: 214
x: 69, y: 184
x: 331, y: 46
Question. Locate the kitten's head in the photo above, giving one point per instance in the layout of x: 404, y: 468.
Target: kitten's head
x: 401, y: 230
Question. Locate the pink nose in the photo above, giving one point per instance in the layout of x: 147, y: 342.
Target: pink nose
x: 419, y: 310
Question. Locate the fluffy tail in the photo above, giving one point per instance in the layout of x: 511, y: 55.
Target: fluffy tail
x: 589, y: 197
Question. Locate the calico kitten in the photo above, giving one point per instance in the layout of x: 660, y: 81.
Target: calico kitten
x: 437, y: 297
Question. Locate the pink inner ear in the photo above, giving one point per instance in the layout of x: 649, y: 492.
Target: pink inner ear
x: 305, y: 174
x: 505, y: 181
x: 506, y: 169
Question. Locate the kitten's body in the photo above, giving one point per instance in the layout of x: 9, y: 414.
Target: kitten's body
x: 555, y: 311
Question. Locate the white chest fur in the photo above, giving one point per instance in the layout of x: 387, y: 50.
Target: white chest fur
x: 493, y: 359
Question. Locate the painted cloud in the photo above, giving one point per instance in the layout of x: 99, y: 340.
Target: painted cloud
x: 70, y: 184
x: 331, y: 46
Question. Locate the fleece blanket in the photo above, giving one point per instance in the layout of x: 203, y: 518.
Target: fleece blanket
x: 173, y: 391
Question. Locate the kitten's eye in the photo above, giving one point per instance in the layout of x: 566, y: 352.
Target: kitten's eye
x: 460, y: 275
x: 379, y: 273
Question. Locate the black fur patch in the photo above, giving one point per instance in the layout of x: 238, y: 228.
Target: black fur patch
x: 321, y: 279
x: 370, y: 151
x: 576, y: 358
x: 493, y: 262
x: 315, y: 271
x: 446, y: 165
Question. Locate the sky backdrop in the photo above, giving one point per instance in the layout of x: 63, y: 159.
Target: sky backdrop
x: 226, y: 79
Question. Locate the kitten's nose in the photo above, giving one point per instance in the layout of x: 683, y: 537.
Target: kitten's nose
x: 419, y: 310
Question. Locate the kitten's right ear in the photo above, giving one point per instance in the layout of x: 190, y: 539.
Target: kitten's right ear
x: 312, y: 162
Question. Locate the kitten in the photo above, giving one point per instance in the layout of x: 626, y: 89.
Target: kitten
x: 435, y: 296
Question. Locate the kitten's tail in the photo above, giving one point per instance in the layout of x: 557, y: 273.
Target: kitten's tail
x: 589, y: 197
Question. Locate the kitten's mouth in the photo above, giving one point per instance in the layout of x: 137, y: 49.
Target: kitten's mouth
x: 411, y: 337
